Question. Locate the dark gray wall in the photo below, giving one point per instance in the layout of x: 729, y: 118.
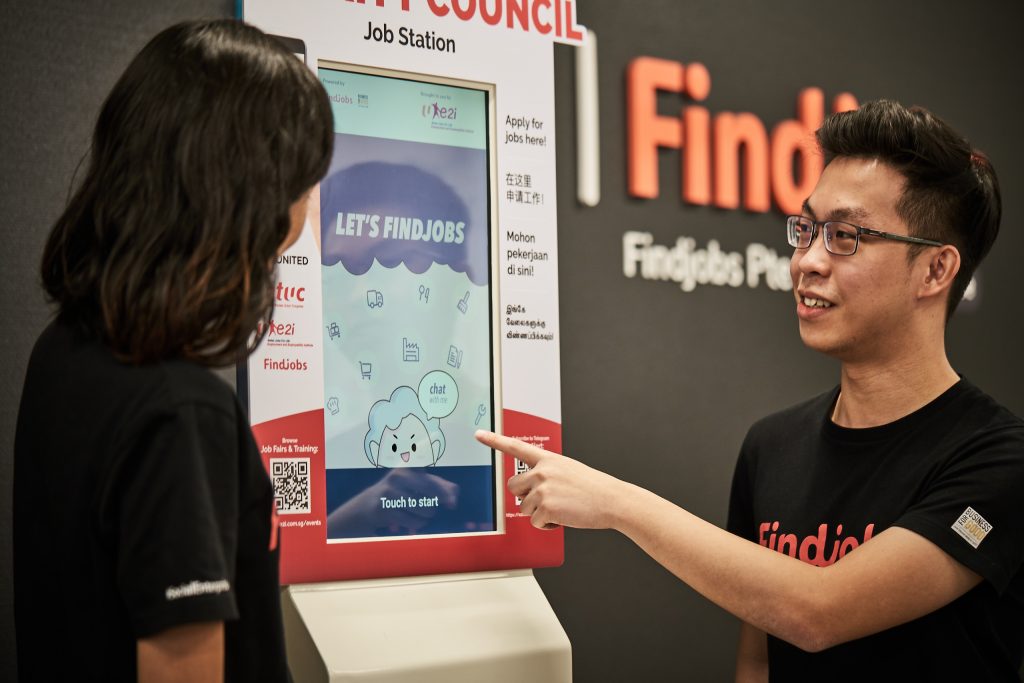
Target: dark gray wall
x: 658, y: 385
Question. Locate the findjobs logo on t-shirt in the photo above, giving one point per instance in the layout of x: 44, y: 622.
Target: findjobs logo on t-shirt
x: 972, y: 527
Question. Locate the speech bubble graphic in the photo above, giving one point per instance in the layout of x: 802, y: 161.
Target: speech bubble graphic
x: 438, y: 394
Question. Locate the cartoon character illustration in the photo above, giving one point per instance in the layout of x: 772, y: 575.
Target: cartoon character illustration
x: 401, y: 434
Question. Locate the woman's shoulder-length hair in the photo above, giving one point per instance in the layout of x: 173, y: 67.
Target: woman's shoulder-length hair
x: 166, y: 249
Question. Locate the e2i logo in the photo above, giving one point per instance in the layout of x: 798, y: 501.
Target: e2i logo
x: 435, y: 111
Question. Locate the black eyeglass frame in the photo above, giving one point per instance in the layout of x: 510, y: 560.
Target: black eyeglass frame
x: 858, y: 231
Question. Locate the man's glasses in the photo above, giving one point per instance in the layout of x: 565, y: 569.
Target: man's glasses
x: 841, y: 238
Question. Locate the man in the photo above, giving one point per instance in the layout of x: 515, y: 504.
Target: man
x: 877, y: 527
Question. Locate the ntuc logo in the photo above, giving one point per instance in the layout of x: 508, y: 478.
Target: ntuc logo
x: 435, y: 111
x: 717, y: 150
x: 286, y: 294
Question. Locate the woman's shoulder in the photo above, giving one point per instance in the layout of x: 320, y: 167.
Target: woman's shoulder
x: 68, y: 360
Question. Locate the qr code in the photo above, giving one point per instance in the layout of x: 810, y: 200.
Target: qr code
x: 290, y: 477
x: 520, y: 468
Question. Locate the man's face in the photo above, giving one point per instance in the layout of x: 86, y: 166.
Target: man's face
x: 869, y: 295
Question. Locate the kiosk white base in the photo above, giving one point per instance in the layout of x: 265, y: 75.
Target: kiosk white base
x: 492, y: 627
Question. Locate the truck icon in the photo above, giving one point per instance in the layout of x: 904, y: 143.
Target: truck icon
x: 374, y: 299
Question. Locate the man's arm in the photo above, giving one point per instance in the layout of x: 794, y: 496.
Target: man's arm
x: 193, y: 653
x: 895, y: 577
x: 752, y: 655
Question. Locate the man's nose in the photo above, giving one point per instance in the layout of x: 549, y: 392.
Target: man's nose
x: 815, y: 258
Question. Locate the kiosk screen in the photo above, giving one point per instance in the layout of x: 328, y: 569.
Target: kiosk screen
x: 406, y: 220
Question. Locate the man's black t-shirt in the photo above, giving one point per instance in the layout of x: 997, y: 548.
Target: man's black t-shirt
x: 952, y: 472
x: 140, y: 504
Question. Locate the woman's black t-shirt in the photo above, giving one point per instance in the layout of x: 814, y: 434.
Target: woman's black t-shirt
x: 140, y: 504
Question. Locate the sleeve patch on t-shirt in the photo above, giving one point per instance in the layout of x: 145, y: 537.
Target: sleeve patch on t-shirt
x: 972, y: 527
x: 193, y: 588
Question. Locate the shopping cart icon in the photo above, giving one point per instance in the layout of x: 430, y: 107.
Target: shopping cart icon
x: 365, y: 369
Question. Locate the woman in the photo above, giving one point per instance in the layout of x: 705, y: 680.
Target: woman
x: 144, y: 542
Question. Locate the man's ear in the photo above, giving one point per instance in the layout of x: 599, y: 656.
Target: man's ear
x: 943, y: 265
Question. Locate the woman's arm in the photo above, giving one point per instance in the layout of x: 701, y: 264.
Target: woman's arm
x: 193, y: 653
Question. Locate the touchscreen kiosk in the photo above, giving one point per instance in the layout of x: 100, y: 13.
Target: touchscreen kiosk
x: 387, y: 349
x: 410, y: 352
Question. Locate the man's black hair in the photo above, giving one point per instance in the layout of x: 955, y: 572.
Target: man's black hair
x: 951, y: 193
